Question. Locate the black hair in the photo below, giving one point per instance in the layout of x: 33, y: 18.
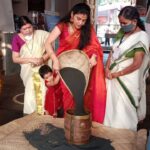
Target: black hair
x: 81, y: 8
x: 131, y: 13
x: 23, y: 20
x: 44, y: 70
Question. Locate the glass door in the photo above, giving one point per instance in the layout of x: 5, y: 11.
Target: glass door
x: 107, y: 23
x: 107, y: 20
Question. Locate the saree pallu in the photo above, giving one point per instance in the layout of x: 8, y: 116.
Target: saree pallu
x: 126, y: 95
x: 34, y: 85
x: 95, y: 96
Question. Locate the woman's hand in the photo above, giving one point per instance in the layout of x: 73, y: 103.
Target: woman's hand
x: 56, y: 65
x: 36, y: 61
x: 40, y: 61
x: 93, y: 60
x: 116, y: 74
x: 108, y: 74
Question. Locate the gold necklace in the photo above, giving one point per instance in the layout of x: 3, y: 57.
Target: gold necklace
x: 71, y: 29
x: 28, y: 47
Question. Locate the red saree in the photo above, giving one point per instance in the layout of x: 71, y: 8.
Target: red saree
x: 53, y: 99
x: 95, y: 96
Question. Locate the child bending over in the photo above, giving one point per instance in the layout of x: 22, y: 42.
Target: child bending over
x: 53, y: 104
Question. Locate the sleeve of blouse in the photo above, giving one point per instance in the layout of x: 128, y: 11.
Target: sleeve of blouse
x: 60, y: 26
x: 15, y: 45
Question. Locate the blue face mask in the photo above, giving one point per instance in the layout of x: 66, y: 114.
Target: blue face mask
x: 128, y: 28
x: 143, y: 19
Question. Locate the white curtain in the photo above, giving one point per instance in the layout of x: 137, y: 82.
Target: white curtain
x: 6, y: 16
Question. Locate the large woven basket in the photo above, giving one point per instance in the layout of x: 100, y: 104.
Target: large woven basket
x: 76, y: 59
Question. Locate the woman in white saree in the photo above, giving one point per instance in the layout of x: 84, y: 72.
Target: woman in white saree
x: 28, y: 50
x: 126, y: 71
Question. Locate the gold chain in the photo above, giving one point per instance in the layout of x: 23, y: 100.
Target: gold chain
x: 30, y: 50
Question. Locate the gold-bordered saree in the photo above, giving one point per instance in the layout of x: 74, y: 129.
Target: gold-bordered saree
x: 34, y: 96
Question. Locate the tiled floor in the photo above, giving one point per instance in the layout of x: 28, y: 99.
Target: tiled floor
x: 10, y: 109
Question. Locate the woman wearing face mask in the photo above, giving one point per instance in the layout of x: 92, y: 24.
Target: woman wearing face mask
x: 28, y: 50
x: 76, y: 32
x: 126, y: 71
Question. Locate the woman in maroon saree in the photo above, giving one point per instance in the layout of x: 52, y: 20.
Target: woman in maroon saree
x: 76, y: 32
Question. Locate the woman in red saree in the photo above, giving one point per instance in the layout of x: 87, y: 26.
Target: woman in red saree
x: 76, y: 32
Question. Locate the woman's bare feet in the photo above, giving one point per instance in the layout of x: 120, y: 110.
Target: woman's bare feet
x: 55, y: 115
x: 46, y: 112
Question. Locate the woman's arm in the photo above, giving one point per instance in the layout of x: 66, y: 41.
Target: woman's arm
x: 45, y: 57
x: 107, y: 71
x: 93, y: 60
x: 108, y: 61
x: 56, y: 79
x: 17, y: 59
x: 49, y: 48
x: 24, y: 60
x: 137, y: 61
